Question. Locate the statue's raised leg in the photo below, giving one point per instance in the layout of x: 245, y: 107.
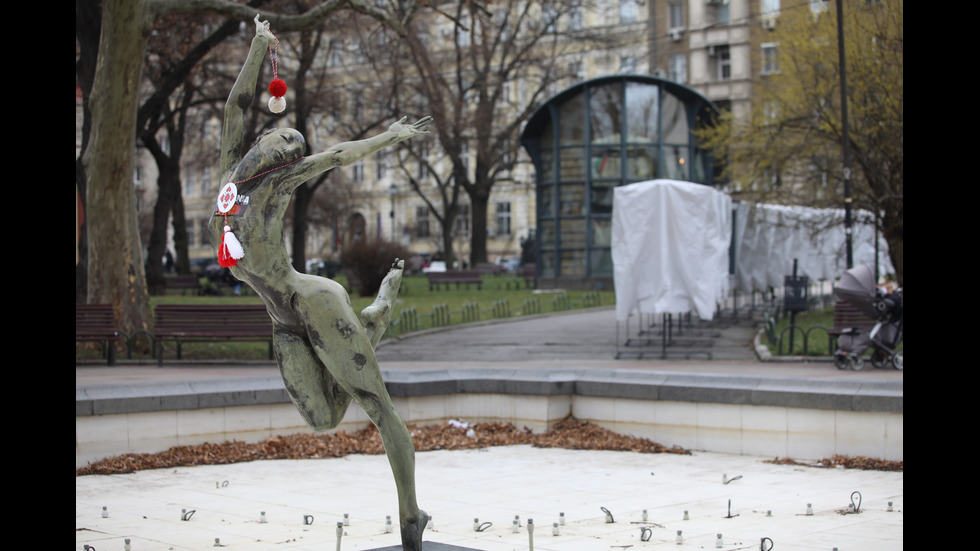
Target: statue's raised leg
x: 377, y: 316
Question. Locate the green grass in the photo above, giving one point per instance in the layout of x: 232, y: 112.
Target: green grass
x: 814, y: 326
x: 504, y: 290
x: 811, y: 330
x: 455, y: 306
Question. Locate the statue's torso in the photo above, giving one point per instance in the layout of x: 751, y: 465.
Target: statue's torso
x: 257, y: 222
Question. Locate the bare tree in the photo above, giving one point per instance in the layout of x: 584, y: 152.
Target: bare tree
x: 114, y: 263
x: 480, y: 70
x: 175, y: 71
x: 317, y: 97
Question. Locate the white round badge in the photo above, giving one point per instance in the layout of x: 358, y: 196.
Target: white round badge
x: 227, y: 197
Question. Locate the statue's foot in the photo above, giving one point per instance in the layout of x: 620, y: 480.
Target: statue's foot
x: 412, y: 531
x: 377, y: 316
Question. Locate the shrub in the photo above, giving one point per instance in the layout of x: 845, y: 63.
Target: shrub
x: 367, y: 261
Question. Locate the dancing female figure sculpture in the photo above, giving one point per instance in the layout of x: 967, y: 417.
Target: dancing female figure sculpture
x: 325, y: 353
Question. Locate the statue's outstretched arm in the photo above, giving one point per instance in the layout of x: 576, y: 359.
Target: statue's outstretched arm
x: 346, y: 153
x: 242, y: 93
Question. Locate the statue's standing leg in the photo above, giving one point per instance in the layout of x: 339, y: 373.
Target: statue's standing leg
x: 343, y: 346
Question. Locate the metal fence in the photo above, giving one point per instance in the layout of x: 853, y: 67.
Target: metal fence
x: 409, y: 320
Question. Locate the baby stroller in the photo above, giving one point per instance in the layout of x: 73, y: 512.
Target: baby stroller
x: 857, y: 288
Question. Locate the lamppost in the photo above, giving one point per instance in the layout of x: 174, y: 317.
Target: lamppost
x: 845, y: 140
x: 392, y: 191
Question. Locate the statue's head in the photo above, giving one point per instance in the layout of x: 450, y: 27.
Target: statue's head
x: 273, y: 149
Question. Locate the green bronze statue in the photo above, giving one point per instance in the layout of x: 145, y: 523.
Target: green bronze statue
x: 325, y: 353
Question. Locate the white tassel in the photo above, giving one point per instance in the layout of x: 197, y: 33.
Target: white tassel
x: 234, y: 248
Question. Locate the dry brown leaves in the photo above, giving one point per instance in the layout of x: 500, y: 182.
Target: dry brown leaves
x: 845, y: 462
x: 569, y: 433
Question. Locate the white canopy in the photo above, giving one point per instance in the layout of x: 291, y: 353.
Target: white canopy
x: 770, y: 237
x: 670, y: 242
x: 670, y: 246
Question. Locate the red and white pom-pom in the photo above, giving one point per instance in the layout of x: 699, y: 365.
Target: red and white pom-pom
x: 277, y: 103
x: 230, y: 251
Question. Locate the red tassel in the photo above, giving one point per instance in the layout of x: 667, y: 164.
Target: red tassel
x: 224, y: 259
x: 230, y: 250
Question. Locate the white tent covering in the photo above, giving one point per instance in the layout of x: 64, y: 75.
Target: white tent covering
x: 770, y: 237
x: 670, y: 242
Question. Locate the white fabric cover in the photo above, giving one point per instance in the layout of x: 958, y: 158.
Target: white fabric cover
x: 670, y: 242
x: 769, y: 237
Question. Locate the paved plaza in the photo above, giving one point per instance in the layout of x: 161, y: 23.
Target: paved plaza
x: 741, y: 499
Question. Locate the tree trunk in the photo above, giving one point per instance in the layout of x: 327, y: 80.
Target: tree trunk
x: 115, y: 261
x: 479, y: 203
x: 893, y: 230
x: 448, y: 255
x: 181, y: 241
x: 88, y: 23
x: 168, y: 188
x: 301, y: 207
x: 81, y: 245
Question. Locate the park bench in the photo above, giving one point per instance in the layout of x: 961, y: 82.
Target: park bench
x: 846, y: 316
x: 489, y: 268
x: 530, y: 273
x: 436, y: 279
x: 97, y: 323
x: 183, y: 283
x: 184, y: 323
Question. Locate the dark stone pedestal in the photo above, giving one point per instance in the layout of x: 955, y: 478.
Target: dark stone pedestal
x: 427, y: 546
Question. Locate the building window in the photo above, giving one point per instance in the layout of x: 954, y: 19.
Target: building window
x: 191, y: 226
x: 676, y: 15
x: 678, y: 68
x: 422, y: 222
x: 462, y: 226
x: 723, y: 61
x: 627, y: 65
x: 422, y: 167
x: 206, y: 181
x: 575, y: 19
x: 189, y: 184
x: 381, y: 164
x: 717, y: 12
x: 549, y: 14
x: 503, y: 219
x: 357, y: 171
x: 627, y: 11
x: 335, y: 55
x: 770, y: 64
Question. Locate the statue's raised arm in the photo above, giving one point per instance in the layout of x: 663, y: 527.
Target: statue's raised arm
x: 346, y: 153
x: 242, y: 93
